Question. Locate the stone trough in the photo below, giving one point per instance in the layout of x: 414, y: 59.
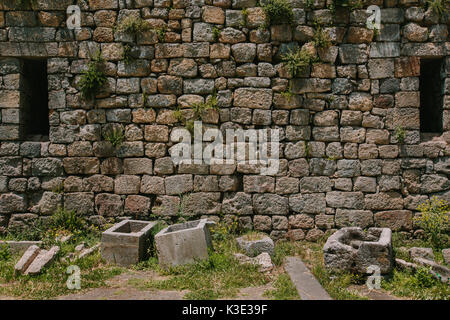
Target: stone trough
x: 127, y: 242
x: 352, y: 249
x: 183, y: 243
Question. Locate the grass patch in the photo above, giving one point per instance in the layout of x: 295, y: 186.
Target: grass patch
x: 284, y: 289
x: 336, y: 284
x: 419, y: 285
x: 52, y: 281
x: 220, y: 276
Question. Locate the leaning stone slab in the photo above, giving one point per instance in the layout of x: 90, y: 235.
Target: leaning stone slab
x: 27, y: 258
x: 20, y: 246
x: 352, y: 249
x: 438, y: 271
x: 44, y: 259
x: 127, y: 242
x: 254, y: 248
x: 183, y: 243
x: 307, y: 285
x: 86, y: 252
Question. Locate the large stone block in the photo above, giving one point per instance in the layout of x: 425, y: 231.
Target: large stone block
x: 127, y: 242
x: 183, y: 243
x: 351, y: 249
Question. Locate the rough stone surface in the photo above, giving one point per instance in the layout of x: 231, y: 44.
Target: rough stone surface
x: 351, y: 249
x: 341, y: 159
x: 254, y: 248
x: 183, y: 243
x: 127, y: 242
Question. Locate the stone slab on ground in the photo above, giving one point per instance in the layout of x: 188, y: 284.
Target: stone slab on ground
x: 20, y: 246
x: 44, y: 259
x: 439, y: 271
x: 307, y: 285
x: 27, y: 258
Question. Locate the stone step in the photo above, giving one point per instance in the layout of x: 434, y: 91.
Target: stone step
x: 307, y: 286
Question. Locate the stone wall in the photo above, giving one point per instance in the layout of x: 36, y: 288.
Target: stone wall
x: 341, y: 162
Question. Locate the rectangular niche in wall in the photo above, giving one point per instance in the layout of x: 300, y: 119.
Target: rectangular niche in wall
x: 431, y: 95
x: 34, y: 113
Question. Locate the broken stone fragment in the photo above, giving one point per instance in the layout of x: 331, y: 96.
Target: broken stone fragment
x: 27, y: 258
x: 88, y: 251
x: 44, y: 259
x: 254, y: 248
x: 426, y: 253
x: 263, y: 261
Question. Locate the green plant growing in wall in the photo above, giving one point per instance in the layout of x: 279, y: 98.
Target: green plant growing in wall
x: 93, y: 78
x: 297, y: 61
x: 161, y: 33
x: 288, y: 94
x: 132, y: 25
x: 198, y: 111
x: 309, y: 4
x: 244, y: 17
x: 321, y: 38
x: 115, y: 136
x: 278, y: 12
x: 216, y: 33
x: 400, y: 134
x: 438, y: 6
x: 307, y: 149
x: 126, y: 54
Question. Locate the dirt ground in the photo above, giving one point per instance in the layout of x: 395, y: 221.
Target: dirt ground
x: 118, y: 288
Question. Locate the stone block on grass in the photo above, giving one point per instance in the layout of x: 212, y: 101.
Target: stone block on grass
x: 183, y: 243
x: 126, y: 243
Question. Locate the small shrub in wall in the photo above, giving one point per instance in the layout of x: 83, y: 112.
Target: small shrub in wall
x: 133, y: 25
x: 278, y: 12
x: 296, y: 61
x: 115, y: 136
x: 93, y: 78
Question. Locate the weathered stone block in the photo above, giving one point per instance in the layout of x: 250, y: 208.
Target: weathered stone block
x: 127, y: 242
x: 183, y: 243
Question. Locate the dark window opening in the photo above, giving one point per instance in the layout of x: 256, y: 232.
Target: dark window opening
x: 35, y: 100
x: 431, y: 95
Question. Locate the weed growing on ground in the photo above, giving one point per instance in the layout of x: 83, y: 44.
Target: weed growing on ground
x: 219, y: 276
x: 434, y: 220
